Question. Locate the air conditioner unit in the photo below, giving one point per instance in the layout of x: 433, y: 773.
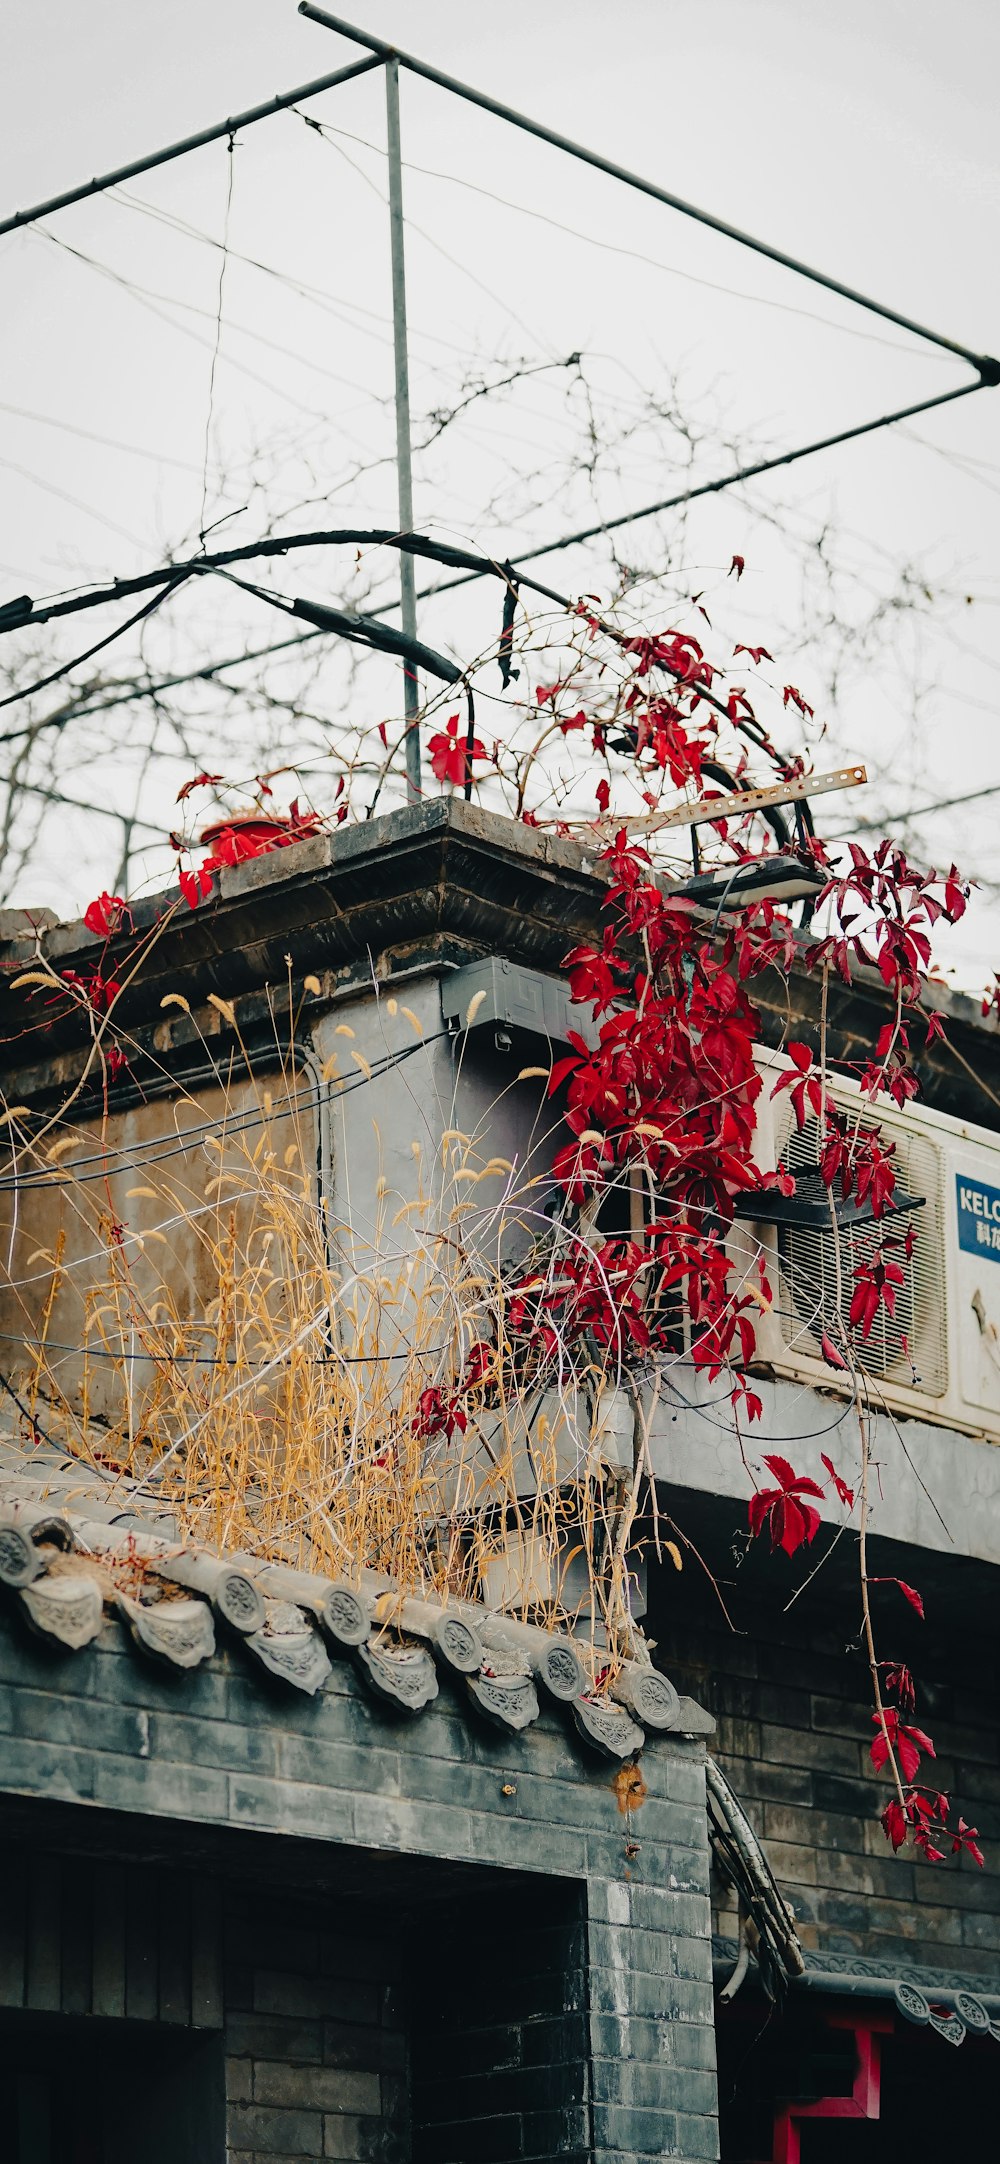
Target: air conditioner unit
x: 938, y: 1357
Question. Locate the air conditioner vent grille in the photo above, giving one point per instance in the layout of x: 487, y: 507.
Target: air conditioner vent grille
x: 809, y: 1267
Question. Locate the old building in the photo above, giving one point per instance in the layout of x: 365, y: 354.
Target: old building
x: 298, y: 1867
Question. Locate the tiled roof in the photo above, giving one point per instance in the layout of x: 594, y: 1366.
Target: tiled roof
x: 953, y: 2004
x: 74, y: 1545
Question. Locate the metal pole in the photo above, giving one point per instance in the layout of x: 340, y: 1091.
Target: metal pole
x: 988, y: 368
x: 213, y: 134
x: 404, y: 468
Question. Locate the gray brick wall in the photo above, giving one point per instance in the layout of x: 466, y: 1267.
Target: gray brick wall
x: 307, y: 2018
x: 794, y: 1729
x: 315, y: 2033
x: 500, y: 2040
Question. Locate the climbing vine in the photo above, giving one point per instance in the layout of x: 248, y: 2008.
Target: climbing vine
x: 659, y: 1090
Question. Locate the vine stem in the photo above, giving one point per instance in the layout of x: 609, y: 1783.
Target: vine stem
x: 866, y: 1612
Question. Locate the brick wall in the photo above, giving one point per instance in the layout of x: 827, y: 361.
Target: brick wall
x: 794, y: 1727
x: 599, y: 1992
x: 315, y: 2032
x: 500, y: 2040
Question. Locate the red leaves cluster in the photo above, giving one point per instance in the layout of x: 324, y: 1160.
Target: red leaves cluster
x: 438, y: 1413
x: 875, y: 1285
x: 899, y: 1685
x: 887, y: 910
x: 106, y: 915
x: 666, y: 1094
x: 195, y: 885
x: 922, y: 1816
x: 806, y: 1085
x: 844, y: 1494
x: 97, y: 991
x: 441, y: 1411
x: 676, y: 652
x: 907, y: 1743
x: 452, y: 754
x: 789, y: 1518
x: 919, y: 1815
x: 594, y: 1293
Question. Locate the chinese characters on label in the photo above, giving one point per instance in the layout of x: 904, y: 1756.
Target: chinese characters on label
x: 978, y: 1217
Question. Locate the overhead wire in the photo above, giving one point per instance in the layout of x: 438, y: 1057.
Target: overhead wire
x: 610, y: 247
x: 223, y: 265
x: 340, y: 306
x: 183, y: 330
x: 42, y: 683
x: 240, y: 330
x: 155, y: 1153
x: 89, y: 510
x: 987, y: 367
x: 413, y: 227
x: 605, y: 526
x: 90, y: 435
x: 207, y: 1360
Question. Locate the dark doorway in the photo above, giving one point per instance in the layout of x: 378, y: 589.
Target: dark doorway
x: 107, y: 2092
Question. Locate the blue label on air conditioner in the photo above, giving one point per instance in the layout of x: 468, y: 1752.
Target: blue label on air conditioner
x: 978, y: 1217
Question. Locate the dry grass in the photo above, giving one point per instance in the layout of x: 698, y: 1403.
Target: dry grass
x: 201, y: 1327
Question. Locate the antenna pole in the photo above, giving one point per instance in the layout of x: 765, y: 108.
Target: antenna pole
x: 404, y: 468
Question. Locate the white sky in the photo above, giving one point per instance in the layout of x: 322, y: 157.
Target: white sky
x: 861, y: 138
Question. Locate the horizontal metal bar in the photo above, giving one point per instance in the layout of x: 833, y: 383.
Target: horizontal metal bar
x: 213, y: 134
x: 708, y: 808
x: 645, y: 187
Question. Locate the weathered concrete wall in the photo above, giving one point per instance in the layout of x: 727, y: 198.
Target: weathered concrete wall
x: 155, y: 1174
x: 939, y: 1491
x: 212, y: 1752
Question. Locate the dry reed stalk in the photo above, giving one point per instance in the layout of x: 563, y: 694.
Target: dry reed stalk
x: 260, y: 1371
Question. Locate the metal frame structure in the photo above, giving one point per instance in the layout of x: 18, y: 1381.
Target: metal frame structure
x: 392, y: 59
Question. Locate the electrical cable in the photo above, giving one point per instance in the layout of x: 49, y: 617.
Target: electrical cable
x: 476, y: 567
x: 18, y: 614
x: 151, y: 294
x: 206, y: 1360
x: 148, y: 687
x: 223, y: 266
x: 413, y: 227
x: 360, y: 630
x: 141, y: 295
x: 108, y: 1169
x: 919, y: 811
x: 34, y: 1425
x: 730, y: 480
x: 608, y: 247
x: 340, y: 306
x: 89, y: 435
x: 51, y: 488
x: 27, y: 692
